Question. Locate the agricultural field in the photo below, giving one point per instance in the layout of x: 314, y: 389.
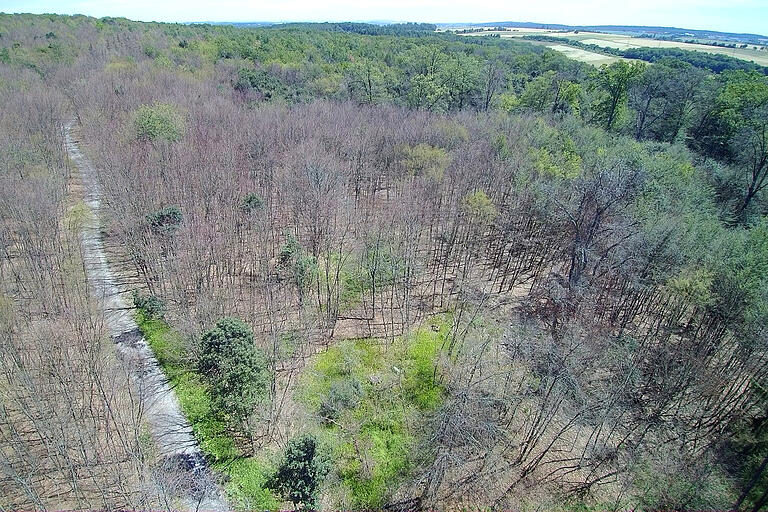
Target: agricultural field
x: 596, y: 59
x: 757, y: 54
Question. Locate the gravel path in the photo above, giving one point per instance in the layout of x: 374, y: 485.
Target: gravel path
x: 170, y: 430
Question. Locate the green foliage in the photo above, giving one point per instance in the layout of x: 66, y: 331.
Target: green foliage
x: 369, y: 81
x: 234, y: 368
x: 159, y: 121
x: 263, y: 82
x: 190, y: 389
x: 150, y: 305
x: 426, y: 160
x: 508, y: 102
x: 300, y: 474
x: 427, y: 92
x: 252, y: 202
x: 557, y: 156
x: 613, y: 82
x: 376, y: 399
x: 302, y: 264
x: 694, y: 286
x: 246, y: 476
x: 342, y: 395
x: 452, y: 133
x: 420, y: 363
x: 479, y: 208
x: 569, y: 96
x: 166, y: 220
x: 674, y: 482
x: 247, y: 486
x: 740, y: 282
x: 539, y: 93
x: 150, y: 51
x: 123, y: 65
x: 374, y: 267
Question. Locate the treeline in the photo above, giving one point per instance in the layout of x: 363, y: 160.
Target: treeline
x: 394, y: 29
x: 715, y: 62
x: 587, y: 248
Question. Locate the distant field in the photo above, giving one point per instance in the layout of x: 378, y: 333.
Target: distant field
x: 759, y: 56
x: 583, y: 55
x: 593, y: 58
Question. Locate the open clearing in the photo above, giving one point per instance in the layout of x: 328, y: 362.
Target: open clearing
x: 594, y: 58
x: 622, y: 42
x: 583, y: 55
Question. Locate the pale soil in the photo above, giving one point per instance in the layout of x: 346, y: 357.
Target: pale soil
x: 584, y: 55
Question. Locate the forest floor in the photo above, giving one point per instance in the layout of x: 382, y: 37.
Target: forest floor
x: 170, y: 430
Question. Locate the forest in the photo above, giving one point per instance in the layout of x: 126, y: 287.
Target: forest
x: 380, y: 268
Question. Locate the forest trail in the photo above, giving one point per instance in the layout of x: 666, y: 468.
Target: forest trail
x: 170, y: 430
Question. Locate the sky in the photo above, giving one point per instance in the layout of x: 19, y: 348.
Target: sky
x: 724, y: 15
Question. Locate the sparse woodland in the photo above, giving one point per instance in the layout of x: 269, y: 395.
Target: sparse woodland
x: 384, y: 268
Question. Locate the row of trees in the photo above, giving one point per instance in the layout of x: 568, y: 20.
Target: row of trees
x: 70, y: 426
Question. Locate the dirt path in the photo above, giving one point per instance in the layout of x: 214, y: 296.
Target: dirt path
x: 170, y: 430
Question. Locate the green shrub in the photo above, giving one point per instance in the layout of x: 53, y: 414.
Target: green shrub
x: 301, y: 472
x: 166, y: 220
x: 303, y: 264
x: 426, y: 160
x: 247, y: 486
x: 673, y: 481
x: 251, y: 203
x: 159, y: 121
x: 375, y: 399
x: 261, y: 81
x: 343, y: 395
x: 234, y: 368
x: 151, y: 306
x: 246, y: 476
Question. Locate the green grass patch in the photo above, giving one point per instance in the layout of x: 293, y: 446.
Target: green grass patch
x: 246, y: 488
x: 371, y: 430
x: 247, y: 476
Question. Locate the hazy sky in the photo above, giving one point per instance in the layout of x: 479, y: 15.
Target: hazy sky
x: 724, y: 15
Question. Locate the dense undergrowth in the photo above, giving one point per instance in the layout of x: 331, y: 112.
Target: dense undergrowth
x: 245, y: 476
x: 372, y: 398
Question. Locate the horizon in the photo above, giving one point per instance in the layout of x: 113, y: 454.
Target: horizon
x: 735, y: 16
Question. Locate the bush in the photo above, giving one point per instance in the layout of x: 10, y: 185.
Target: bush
x: 301, y: 473
x: 251, y: 203
x: 234, y: 368
x: 304, y: 265
x: 159, y: 121
x: 426, y: 160
x: 166, y: 220
x: 674, y: 481
x: 343, y: 395
x: 151, y: 306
